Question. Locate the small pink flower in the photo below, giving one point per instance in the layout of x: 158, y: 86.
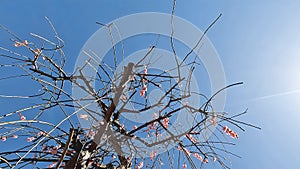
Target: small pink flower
x: 191, y: 138
x: 25, y: 42
x: 22, y: 117
x: 135, y: 127
x: 140, y: 165
x: 15, y: 136
x: 143, y: 91
x: 153, y: 154
x: 184, y: 166
x: 145, y: 69
x: 166, y: 122
x: 52, y: 165
x: 214, y: 159
x: 3, y: 138
x: 30, y: 139
x: 37, y: 52
x: 84, y: 116
x: 229, y: 132
x: 40, y: 133
x: 184, y: 150
x: 205, y: 161
x: 225, y: 128
x: 198, y: 156
x: 152, y: 126
x: 17, y: 44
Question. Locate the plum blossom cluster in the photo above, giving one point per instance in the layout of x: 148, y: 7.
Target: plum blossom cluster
x: 18, y: 44
x: 140, y: 165
x: 144, y: 88
x: 191, y: 138
x: 153, y: 154
x: 196, y: 155
x: 229, y: 132
x: 166, y: 122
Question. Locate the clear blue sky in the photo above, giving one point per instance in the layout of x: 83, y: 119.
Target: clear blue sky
x: 257, y: 41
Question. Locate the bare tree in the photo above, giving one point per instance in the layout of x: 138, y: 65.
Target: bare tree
x: 111, y: 140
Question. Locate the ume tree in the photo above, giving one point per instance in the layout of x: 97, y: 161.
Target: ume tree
x: 141, y: 112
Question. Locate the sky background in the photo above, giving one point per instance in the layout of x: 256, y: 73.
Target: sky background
x: 257, y: 41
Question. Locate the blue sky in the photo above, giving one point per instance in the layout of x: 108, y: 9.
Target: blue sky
x: 257, y: 42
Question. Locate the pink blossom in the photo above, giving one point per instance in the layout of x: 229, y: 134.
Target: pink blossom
x: 184, y: 166
x: 37, y: 52
x: 17, y: 44
x: 229, y: 132
x: 29, y: 139
x: 3, y: 138
x: 22, y: 117
x: 15, y: 136
x: 205, y: 161
x: 143, y: 91
x: 191, y: 138
x: 214, y: 159
x: 198, y: 156
x: 135, y: 127
x: 153, y: 154
x: 184, y: 150
x: 152, y: 126
x: 25, y: 42
x: 84, y: 116
x: 145, y: 69
x: 166, y: 122
x: 52, y: 165
x: 40, y: 133
x: 140, y: 165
